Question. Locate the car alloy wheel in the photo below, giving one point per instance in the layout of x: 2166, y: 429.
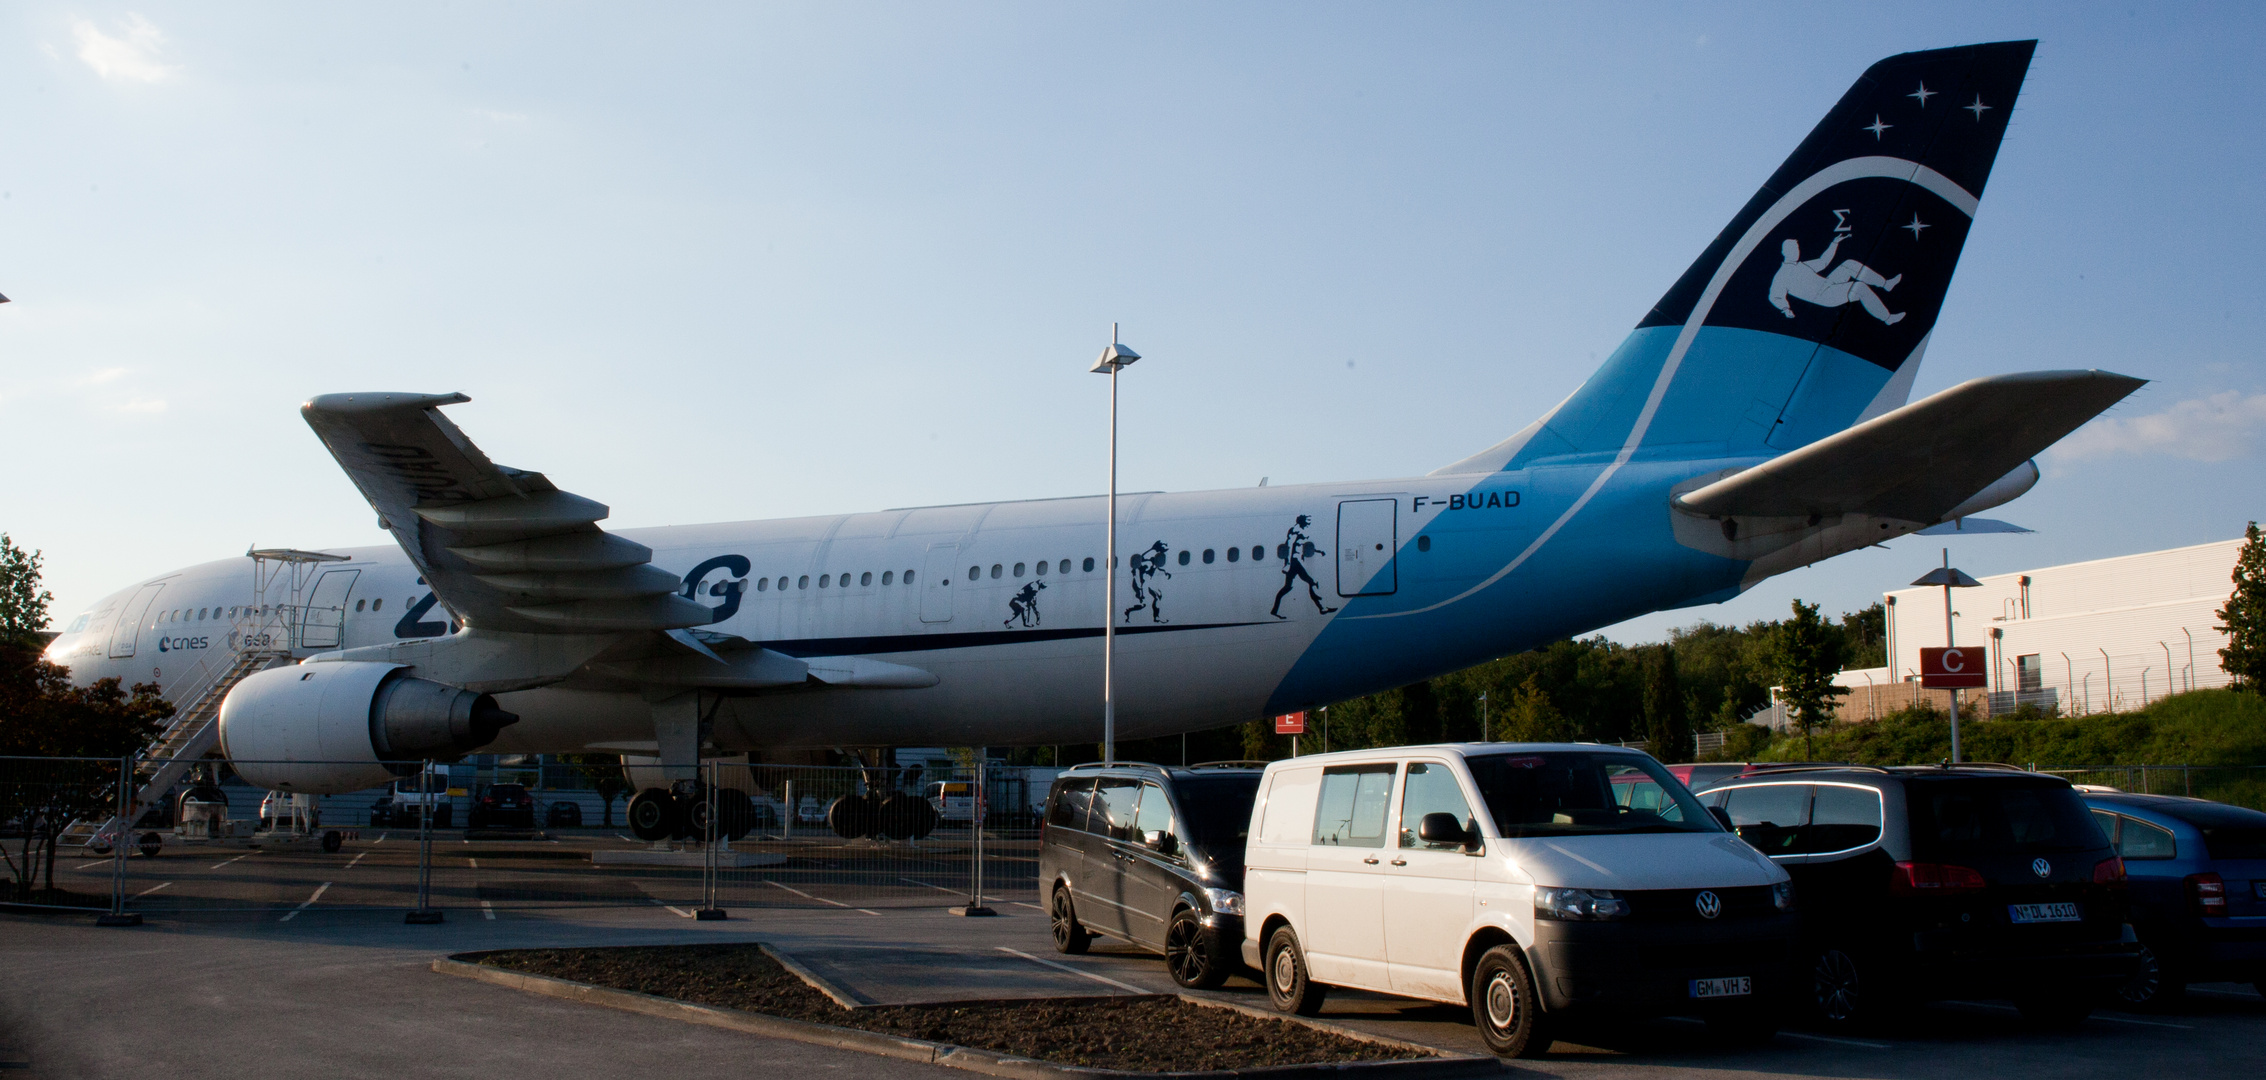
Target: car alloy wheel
x: 1069, y: 936
x: 1838, y: 986
x: 1188, y: 953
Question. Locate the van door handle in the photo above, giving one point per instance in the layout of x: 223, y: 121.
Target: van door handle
x: 1400, y: 862
x: 1371, y: 860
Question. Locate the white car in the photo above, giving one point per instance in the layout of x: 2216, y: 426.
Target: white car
x: 1532, y: 881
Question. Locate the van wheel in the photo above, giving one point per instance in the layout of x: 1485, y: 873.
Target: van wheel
x: 2156, y: 985
x: 1505, y: 1006
x: 1287, y: 983
x: 1190, y: 953
x: 1070, y: 936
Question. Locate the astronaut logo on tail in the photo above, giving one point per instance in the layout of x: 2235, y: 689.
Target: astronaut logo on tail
x: 1024, y: 605
x: 1809, y: 281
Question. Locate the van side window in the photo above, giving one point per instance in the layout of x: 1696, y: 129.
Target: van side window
x: 1353, y: 803
x: 1155, y: 817
x: 1841, y: 818
x: 1431, y: 789
x: 1114, y: 806
x: 1770, y: 816
x: 1069, y: 809
x: 2143, y: 840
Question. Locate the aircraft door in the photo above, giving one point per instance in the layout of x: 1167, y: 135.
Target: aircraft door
x: 1368, y: 540
x: 322, y: 622
x: 128, y: 629
x: 936, y: 583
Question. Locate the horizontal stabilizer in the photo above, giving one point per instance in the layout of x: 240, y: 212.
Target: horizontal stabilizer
x: 1924, y: 460
x: 1971, y: 527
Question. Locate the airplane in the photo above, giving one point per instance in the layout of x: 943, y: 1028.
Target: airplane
x: 1755, y: 421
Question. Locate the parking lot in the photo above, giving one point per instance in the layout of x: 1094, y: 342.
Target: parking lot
x: 300, y: 960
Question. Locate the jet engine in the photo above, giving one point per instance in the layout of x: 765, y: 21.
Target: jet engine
x: 343, y: 726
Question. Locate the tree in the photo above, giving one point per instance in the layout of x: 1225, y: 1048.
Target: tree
x: 1532, y: 717
x: 2244, y: 617
x: 1808, y: 654
x: 23, y: 604
x: 604, y: 771
x: 1667, y: 726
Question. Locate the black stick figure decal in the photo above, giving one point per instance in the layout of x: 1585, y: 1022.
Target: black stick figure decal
x: 1143, y: 568
x: 1024, y: 605
x: 1296, y: 548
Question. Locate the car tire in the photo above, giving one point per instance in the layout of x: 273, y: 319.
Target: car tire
x: 1070, y: 936
x: 1192, y: 954
x: 1843, y: 992
x: 2156, y: 985
x: 1506, y: 1006
x: 652, y: 815
x: 2056, y: 1010
x: 1289, y: 985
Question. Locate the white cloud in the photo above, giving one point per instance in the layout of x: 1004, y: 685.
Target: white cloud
x: 142, y: 405
x: 500, y: 117
x: 2221, y: 427
x: 129, y: 58
x: 97, y: 378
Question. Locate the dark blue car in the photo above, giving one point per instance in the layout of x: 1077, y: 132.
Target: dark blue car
x: 2196, y: 872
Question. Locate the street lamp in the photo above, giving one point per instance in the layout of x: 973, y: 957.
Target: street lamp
x: 1950, y: 579
x: 1113, y: 360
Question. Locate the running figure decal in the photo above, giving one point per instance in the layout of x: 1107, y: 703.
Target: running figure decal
x: 1809, y: 281
x: 1143, y: 568
x: 1296, y: 548
x: 1024, y: 605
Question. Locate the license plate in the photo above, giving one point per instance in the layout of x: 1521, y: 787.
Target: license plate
x: 1736, y: 986
x: 2029, y: 913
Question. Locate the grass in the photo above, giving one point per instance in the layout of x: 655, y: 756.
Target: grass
x: 2202, y: 728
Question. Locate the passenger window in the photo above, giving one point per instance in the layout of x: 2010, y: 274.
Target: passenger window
x: 1424, y: 543
x: 1234, y: 553
x: 1089, y: 564
x: 1769, y: 816
x: 1431, y: 789
x: 1155, y: 818
x: 2143, y: 840
x: 1070, y: 803
x: 1114, y: 809
x: 1352, y: 807
x: 763, y: 584
x: 1282, y: 551
x: 887, y: 576
x: 375, y: 605
x: 1018, y: 571
x: 1841, y: 818
x: 803, y: 582
x: 909, y: 578
x: 1207, y: 556
x: 782, y: 583
x: 1183, y: 558
x: 2108, y: 823
x: 822, y: 581
x: 975, y: 572
x: 995, y: 568
x: 1040, y: 569
x: 358, y: 604
x: 867, y: 578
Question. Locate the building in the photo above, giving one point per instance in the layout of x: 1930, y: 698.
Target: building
x: 2101, y: 636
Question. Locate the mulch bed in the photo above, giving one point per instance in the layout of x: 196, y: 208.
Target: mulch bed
x: 1143, y: 1034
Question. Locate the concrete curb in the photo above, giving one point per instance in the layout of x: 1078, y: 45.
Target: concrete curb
x: 1442, y: 1064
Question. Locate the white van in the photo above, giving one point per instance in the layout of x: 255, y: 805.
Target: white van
x: 1535, y: 881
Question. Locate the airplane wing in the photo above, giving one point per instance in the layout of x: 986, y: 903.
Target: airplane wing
x: 504, y: 548
x: 1922, y: 461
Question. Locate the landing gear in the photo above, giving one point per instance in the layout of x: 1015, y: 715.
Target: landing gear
x: 150, y: 844
x: 332, y: 841
x: 653, y: 815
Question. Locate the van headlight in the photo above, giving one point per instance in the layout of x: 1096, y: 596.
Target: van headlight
x: 1782, y: 896
x: 1579, y: 905
x: 1225, y: 901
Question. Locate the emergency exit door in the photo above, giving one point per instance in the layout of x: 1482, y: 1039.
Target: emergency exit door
x: 322, y: 623
x: 1368, y: 540
x: 128, y: 628
x: 936, y: 582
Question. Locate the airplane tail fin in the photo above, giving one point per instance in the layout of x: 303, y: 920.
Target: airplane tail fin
x: 1810, y: 311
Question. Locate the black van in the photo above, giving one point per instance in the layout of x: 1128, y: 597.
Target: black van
x: 1151, y: 855
x: 1918, y: 883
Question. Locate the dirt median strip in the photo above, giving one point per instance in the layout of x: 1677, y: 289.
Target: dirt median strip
x: 1341, y: 1054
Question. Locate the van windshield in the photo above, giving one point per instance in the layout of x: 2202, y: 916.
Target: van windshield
x: 1575, y: 793
x: 1216, y: 811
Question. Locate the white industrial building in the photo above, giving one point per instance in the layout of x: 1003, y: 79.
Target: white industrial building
x: 2107, y: 635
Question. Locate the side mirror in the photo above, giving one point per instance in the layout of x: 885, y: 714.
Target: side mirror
x: 1724, y: 817
x: 1164, y: 843
x: 1441, y: 828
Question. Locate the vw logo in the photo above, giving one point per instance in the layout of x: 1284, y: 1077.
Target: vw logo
x: 1709, y: 904
x: 2041, y: 867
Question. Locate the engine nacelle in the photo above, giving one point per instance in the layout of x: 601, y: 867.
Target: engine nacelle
x: 343, y: 726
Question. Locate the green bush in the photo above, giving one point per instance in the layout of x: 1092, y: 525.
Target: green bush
x: 2205, y: 727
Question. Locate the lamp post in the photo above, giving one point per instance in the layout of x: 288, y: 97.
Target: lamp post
x: 1113, y: 360
x: 1950, y: 579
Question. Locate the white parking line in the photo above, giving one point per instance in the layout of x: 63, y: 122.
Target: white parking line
x: 2143, y: 1023
x: 2218, y: 993
x: 225, y: 862
x: 310, y: 902
x: 488, y: 910
x: 1033, y: 907
x: 358, y: 858
x: 151, y: 889
x: 823, y: 900
x: 631, y: 839
x: 1834, y: 1041
x: 475, y: 862
x: 1074, y: 971
x: 381, y: 838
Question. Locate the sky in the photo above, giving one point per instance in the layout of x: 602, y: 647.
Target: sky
x: 718, y: 262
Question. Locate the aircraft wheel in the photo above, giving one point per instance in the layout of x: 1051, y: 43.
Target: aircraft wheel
x: 735, y: 812
x: 151, y: 842
x: 907, y: 817
x: 332, y: 841
x: 851, y: 816
x: 653, y: 815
